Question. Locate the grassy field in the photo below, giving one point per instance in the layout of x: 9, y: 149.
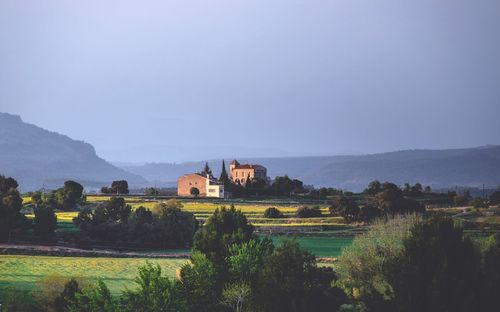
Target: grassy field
x: 319, y: 246
x: 25, y: 271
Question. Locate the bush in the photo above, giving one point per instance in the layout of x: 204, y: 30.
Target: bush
x: 309, y: 212
x: 273, y: 212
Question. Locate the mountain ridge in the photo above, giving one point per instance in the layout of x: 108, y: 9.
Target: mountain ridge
x: 39, y: 158
x: 470, y: 167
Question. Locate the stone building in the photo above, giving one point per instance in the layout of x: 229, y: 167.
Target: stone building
x: 206, y: 185
x: 239, y: 173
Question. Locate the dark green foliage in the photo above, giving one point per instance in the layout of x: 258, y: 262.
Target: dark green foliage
x: 273, y: 212
x: 223, y: 229
x: 247, y: 259
x: 463, y: 199
x: 17, y: 300
x: 290, y: 281
x: 285, y: 186
x: 154, y: 293
x: 368, y: 213
x: 345, y: 207
x: 491, y: 272
x: 151, y: 191
x: 44, y: 223
x: 224, y: 177
x: 62, y: 302
x: 95, y: 298
x: 391, y: 201
x: 11, y: 219
x: 495, y: 198
x: 374, y: 187
x: 206, y: 170
x: 309, y: 212
x: 119, y: 187
x: 115, y: 222
x: 65, y: 198
x: 439, y: 270
x: 479, y: 202
x: 198, y: 282
x: 415, y: 190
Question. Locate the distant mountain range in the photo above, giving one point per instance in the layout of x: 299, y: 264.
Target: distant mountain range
x: 38, y: 158
x: 468, y: 167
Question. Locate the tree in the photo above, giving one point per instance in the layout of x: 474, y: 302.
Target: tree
x: 194, y: 191
x: 235, y: 295
x: 368, y: 212
x: 223, y: 229
x: 11, y: 218
x: 495, y: 198
x: 248, y: 181
x: 73, y: 193
x: 245, y: 260
x: 391, y: 201
x: 438, y: 270
x: 198, y: 283
x: 345, y: 207
x: 374, y: 187
x: 206, y: 170
x: 53, y: 293
x: 153, y: 293
x: 177, y: 227
x: 273, y: 212
x: 491, y: 272
x: 45, y: 222
x: 290, y: 281
x: 151, y: 191
x: 479, y: 202
x: 284, y: 186
x: 68, y: 295
x: 93, y: 299
x: 362, y: 266
x: 119, y: 187
x: 309, y: 212
x: 224, y: 178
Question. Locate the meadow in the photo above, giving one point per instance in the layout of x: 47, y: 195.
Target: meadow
x: 24, y: 272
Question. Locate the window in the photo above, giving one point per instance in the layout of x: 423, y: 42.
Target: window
x: 211, y: 190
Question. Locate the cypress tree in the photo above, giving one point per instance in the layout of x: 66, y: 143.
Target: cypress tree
x: 224, y: 178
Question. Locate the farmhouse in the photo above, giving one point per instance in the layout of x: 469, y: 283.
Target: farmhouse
x: 239, y: 173
x: 207, y: 186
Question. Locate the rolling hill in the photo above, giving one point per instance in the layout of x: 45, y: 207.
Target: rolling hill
x: 468, y: 167
x: 38, y: 158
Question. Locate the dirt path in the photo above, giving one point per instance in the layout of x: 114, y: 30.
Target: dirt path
x: 40, y: 250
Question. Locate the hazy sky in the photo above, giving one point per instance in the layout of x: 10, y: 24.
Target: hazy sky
x: 187, y: 80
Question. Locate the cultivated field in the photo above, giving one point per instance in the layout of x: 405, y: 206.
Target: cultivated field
x: 25, y: 271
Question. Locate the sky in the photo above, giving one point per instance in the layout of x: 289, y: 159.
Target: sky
x: 172, y: 81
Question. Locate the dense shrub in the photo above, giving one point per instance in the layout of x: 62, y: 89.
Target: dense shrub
x: 309, y: 212
x: 273, y: 212
x: 115, y: 222
x: 223, y: 229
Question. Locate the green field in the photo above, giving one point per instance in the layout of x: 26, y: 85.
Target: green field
x: 24, y: 272
x: 319, y: 246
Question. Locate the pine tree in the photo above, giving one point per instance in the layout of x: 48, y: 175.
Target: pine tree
x: 207, y: 169
x: 224, y: 178
x: 248, y: 182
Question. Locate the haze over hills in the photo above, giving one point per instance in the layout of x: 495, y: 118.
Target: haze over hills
x: 39, y: 158
x: 468, y: 167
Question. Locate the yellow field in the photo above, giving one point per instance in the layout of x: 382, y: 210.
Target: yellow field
x: 203, y: 210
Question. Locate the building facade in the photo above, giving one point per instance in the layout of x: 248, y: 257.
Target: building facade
x: 206, y: 185
x: 239, y: 173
